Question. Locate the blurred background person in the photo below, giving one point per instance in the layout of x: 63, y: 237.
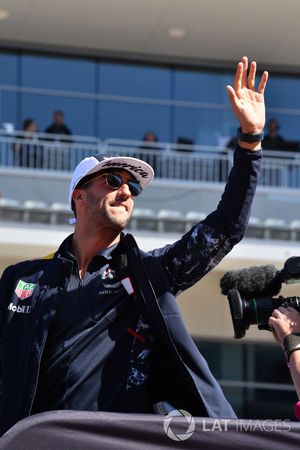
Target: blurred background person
x: 273, y: 140
x: 148, y: 147
x: 150, y: 140
x: 26, y: 153
x: 58, y: 126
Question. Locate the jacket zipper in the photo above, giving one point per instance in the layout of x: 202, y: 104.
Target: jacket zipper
x: 40, y: 357
x: 37, y: 374
x: 39, y: 361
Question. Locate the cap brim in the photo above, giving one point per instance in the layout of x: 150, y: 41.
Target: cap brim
x: 140, y: 170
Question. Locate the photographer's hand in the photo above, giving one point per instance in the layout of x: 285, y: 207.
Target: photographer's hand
x: 247, y: 102
x: 284, y: 321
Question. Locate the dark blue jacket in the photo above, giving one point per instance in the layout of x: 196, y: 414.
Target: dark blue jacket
x: 178, y: 372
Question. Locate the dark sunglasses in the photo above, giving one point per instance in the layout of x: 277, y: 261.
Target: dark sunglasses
x: 115, y: 181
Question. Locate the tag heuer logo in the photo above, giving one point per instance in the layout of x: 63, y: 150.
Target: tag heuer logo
x: 24, y: 290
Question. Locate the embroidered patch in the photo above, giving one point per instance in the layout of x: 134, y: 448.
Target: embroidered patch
x: 24, y: 290
x: 108, y: 274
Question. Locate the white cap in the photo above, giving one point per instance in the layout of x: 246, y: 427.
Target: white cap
x: 141, y: 170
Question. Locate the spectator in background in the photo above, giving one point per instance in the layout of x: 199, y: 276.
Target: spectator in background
x: 150, y: 143
x: 29, y: 127
x: 58, y: 126
x: 150, y: 137
x: 184, y: 144
x: 59, y: 157
x: 27, y: 153
x: 273, y: 140
x: 150, y: 140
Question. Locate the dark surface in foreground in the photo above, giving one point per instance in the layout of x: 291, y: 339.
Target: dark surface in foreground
x: 76, y: 430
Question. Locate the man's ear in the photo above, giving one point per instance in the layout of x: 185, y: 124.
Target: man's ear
x: 78, y: 196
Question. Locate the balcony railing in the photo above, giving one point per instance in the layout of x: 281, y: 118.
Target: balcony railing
x: 170, y: 161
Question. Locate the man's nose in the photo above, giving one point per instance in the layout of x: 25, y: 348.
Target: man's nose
x: 124, y: 190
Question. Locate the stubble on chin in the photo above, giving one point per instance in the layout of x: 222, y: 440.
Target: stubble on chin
x: 119, y: 221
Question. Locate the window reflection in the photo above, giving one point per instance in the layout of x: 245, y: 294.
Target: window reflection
x: 125, y: 100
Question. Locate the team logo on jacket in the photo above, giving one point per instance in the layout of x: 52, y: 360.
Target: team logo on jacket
x: 24, y: 290
x: 109, y: 278
x: 108, y: 274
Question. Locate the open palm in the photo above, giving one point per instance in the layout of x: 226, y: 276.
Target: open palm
x: 247, y: 102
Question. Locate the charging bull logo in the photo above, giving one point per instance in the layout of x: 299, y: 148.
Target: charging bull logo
x: 24, y: 290
x: 109, y: 278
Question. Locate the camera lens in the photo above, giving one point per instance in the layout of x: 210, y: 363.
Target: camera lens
x: 246, y: 312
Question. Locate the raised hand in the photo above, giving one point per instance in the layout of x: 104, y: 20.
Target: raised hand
x: 247, y: 102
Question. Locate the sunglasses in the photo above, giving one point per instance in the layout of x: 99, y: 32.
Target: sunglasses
x: 115, y: 181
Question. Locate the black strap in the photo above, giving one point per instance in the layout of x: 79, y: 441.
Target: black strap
x: 121, y: 266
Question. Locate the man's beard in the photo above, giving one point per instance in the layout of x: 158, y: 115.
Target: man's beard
x: 117, y: 222
x: 102, y: 214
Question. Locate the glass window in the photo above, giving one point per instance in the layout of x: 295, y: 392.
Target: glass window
x: 283, y: 92
x: 213, y: 125
x: 204, y: 126
x: 126, y: 120
x: 131, y: 121
x: 62, y: 74
x: 288, y: 127
x: 208, y: 87
x: 135, y: 80
x: 8, y: 100
x: 79, y: 114
x: 65, y: 74
x: 238, y: 362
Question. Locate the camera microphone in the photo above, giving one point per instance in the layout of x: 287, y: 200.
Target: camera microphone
x: 256, y: 281
x: 250, y: 291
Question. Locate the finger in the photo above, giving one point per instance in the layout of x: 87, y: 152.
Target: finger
x: 232, y: 97
x: 271, y: 321
x: 283, y: 310
x: 272, y: 324
x: 283, y: 313
x: 291, y: 309
x: 245, y: 69
x: 238, y: 77
x: 251, y: 77
x: 276, y: 313
x: 231, y: 92
x: 263, y: 83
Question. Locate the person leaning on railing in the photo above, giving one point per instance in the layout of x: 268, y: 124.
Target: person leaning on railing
x: 285, y: 323
x: 26, y: 151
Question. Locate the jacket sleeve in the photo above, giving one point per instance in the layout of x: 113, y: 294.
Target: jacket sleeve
x: 3, y: 305
x: 203, y: 247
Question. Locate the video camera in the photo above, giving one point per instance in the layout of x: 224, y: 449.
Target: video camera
x: 250, y: 291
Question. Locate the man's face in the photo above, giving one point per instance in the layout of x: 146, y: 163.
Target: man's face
x: 58, y: 118
x: 106, y: 206
x: 31, y: 127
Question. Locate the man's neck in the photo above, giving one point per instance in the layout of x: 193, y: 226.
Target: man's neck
x: 88, y: 244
